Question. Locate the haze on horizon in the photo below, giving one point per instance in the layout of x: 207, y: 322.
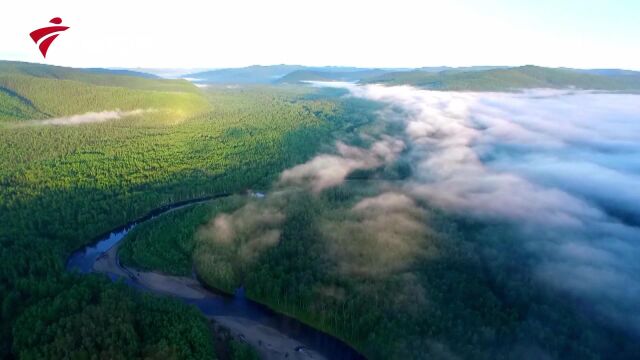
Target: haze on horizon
x: 580, y: 34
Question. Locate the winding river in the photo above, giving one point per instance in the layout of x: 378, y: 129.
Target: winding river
x: 273, y: 335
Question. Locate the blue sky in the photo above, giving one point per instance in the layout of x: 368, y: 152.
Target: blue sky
x: 398, y: 33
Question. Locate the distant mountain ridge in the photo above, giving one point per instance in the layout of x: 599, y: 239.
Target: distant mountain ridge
x: 257, y: 74
x: 254, y: 74
x: 516, y: 78
x: 325, y: 75
x: 473, y: 78
x: 459, y: 69
x: 610, y: 72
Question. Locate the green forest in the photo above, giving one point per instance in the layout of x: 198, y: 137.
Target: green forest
x: 461, y: 289
x: 443, y: 78
x: 476, y: 296
x: 510, y: 79
x: 61, y: 186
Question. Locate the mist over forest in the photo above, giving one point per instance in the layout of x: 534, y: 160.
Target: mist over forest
x: 539, y: 184
x: 390, y: 220
x: 562, y: 167
x: 283, y: 180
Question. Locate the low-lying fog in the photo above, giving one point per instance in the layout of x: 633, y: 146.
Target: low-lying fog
x: 564, y: 167
x: 89, y: 117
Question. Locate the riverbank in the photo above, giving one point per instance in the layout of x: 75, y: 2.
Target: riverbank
x: 270, y: 343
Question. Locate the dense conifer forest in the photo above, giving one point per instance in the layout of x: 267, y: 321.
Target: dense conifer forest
x: 62, y: 185
x: 82, y: 152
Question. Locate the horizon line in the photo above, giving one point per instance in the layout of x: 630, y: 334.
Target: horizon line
x: 205, y: 68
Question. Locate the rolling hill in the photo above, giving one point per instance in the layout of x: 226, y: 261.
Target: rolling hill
x: 524, y: 77
x: 473, y: 78
x: 122, y: 72
x: 35, y: 91
x: 101, y: 77
x: 325, y: 75
x: 247, y: 75
x: 611, y: 72
x: 436, y: 69
x: 61, y: 186
x: 283, y: 74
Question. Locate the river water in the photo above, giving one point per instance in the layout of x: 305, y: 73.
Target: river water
x: 217, y: 304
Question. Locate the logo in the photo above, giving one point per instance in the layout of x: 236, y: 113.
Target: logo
x: 47, y: 35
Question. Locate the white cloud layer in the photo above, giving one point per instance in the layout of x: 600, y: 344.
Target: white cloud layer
x: 329, y: 170
x: 563, y: 167
x: 90, y: 117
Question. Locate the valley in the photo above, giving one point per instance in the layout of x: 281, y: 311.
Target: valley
x: 298, y: 212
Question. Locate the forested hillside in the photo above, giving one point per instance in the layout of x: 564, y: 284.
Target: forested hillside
x: 509, y: 79
x: 320, y: 75
x: 470, y: 306
x: 276, y: 74
x: 102, y: 77
x: 122, y: 72
x: 60, y: 186
x: 35, y: 92
x: 357, y: 266
x: 474, y: 78
x: 247, y: 75
x: 393, y: 276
